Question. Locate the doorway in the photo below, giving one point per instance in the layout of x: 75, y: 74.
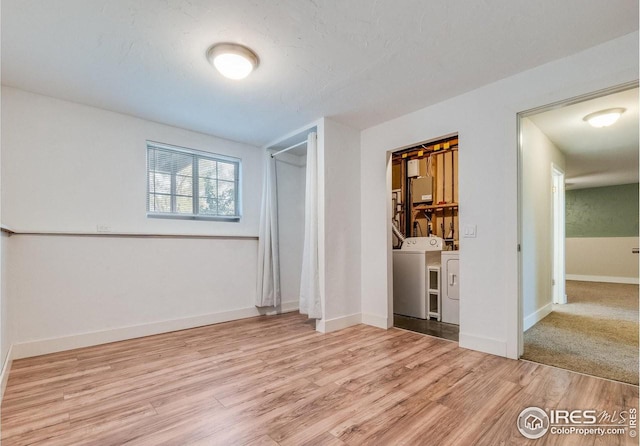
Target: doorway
x: 578, y: 188
x: 425, y: 240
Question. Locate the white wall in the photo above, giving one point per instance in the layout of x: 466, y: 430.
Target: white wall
x: 485, y: 120
x: 290, y: 176
x: 341, y: 226
x: 5, y: 340
x: 538, y: 152
x: 68, y: 168
x: 70, y: 291
x: 602, y: 259
x: 5, y: 332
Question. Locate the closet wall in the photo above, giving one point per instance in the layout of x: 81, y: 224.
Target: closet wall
x: 290, y: 175
x: 339, y: 211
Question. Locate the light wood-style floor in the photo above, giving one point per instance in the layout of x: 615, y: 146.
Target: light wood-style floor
x: 275, y: 381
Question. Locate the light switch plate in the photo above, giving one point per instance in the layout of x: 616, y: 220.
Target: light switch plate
x: 470, y: 231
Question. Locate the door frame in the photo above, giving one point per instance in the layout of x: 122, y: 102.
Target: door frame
x: 558, y: 241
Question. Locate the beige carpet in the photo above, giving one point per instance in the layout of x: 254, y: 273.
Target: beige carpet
x: 595, y: 333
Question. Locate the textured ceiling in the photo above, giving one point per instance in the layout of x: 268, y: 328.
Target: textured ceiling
x: 359, y: 61
x: 596, y: 156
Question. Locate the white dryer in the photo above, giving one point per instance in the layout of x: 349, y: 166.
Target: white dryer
x: 410, y: 277
x: 451, y: 287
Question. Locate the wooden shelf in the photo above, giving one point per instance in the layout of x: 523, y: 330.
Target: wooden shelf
x: 435, y: 207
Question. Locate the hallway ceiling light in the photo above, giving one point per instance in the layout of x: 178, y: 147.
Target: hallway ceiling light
x: 604, y: 118
x: 232, y: 60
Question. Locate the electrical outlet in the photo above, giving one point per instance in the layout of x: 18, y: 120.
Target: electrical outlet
x: 103, y: 228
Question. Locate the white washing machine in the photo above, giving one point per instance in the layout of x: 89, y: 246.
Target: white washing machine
x: 410, y: 277
x: 451, y: 287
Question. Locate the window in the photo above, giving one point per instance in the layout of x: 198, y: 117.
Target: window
x: 185, y: 183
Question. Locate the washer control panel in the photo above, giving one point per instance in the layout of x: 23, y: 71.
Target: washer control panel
x: 432, y: 243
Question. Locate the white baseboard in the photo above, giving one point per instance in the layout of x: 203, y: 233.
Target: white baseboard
x: 287, y: 307
x: 52, y: 345
x: 482, y: 344
x: 377, y: 321
x: 607, y: 279
x: 338, y: 323
x: 4, y: 375
x: 534, y: 318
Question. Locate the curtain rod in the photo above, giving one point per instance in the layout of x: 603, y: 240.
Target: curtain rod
x: 288, y: 148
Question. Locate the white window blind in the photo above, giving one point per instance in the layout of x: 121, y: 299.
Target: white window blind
x: 189, y: 184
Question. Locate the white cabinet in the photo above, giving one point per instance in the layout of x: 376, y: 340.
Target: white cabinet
x: 450, y: 287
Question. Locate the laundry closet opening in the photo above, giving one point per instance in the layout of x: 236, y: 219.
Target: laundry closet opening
x: 424, y: 203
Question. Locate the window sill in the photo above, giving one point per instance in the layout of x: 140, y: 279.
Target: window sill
x: 232, y: 219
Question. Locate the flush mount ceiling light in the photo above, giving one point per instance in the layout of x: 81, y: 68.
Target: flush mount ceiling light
x: 232, y: 60
x: 604, y: 118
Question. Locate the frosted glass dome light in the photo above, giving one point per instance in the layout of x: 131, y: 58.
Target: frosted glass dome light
x: 232, y: 60
x: 604, y: 118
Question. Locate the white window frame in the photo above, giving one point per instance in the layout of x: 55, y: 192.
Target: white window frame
x: 197, y: 154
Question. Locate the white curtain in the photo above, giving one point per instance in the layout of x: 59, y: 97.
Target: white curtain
x: 310, y: 302
x: 268, y: 286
